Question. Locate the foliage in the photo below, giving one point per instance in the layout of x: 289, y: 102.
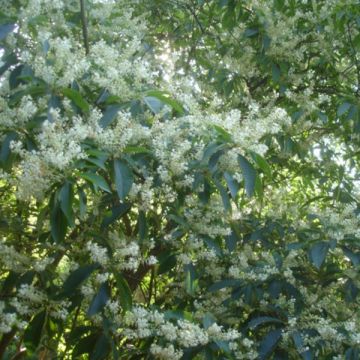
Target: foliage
x: 179, y: 179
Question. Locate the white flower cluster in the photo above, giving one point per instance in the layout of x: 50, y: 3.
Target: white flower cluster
x: 98, y: 253
x: 142, y: 323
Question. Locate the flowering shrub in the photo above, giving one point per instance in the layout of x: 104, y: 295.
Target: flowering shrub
x: 179, y: 180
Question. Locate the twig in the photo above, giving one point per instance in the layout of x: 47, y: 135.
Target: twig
x: 84, y: 26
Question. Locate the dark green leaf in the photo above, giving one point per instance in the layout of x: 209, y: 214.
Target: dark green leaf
x: 231, y: 241
x: 5, y: 148
x: 269, y: 343
x: 249, y: 174
x: 99, y: 300
x: 262, y: 163
x: 14, y: 75
x: 58, y: 222
x: 142, y: 225
x: 97, y: 181
x: 77, y: 277
x: 76, y: 98
x: 8, y: 61
x: 109, y: 115
x: 123, y: 178
x: 212, y: 244
x: 101, y: 349
x: 190, y: 278
x: 136, y: 150
x: 353, y: 256
x: 343, y: 108
x: 165, y: 99
x: 224, y: 195
x: 232, y: 184
x: 66, y: 198
x: 306, y: 354
x: 318, y: 253
x: 276, y: 73
x: 154, y: 104
x: 223, y: 134
x: 85, y: 345
x: 5, y: 29
x: 352, y: 353
x: 251, y: 32
x: 166, y: 263
x: 82, y: 203
x: 225, y: 284
x: 351, y: 291
x: 208, y: 320
x: 34, y: 331
x: 116, y: 213
x: 125, y: 295
x: 254, y: 323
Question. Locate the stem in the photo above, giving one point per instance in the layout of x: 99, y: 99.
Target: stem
x: 5, y: 341
x: 84, y: 26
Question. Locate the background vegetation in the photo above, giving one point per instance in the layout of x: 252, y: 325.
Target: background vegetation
x: 179, y: 179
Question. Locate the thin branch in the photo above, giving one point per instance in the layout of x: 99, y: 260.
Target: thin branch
x: 357, y: 64
x: 84, y: 26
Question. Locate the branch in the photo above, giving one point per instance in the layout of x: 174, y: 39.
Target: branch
x: 357, y: 64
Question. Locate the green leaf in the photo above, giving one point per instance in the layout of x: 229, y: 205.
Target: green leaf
x: 225, y: 284
x: 77, y: 99
x: 223, y: 134
x: 101, y: 349
x: 58, y: 222
x: 34, y: 331
x: 123, y: 178
x: 97, y: 181
x: 14, y: 75
x: 190, y: 279
x: 85, y: 345
x: 116, y: 213
x: 269, y: 343
x: 165, y: 99
x: 210, y: 150
x: 7, y: 61
x: 136, y: 150
x: 343, y: 108
x: 262, y: 163
x: 224, y: 195
x: 5, y: 149
x: 99, y: 300
x: 125, y: 295
x: 318, y: 253
x: 33, y: 90
x: 353, y: 256
x: 249, y: 174
x: 208, y: 320
x: 5, y: 29
x: 109, y: 115
x: 166, y: 263
x: 142, y: 225
x: 77, y: 277
x: 251, y: 32
x: 212, y: 244
x: 254, y: 323
x: 154, y: 104
x: 352, y: 353
x: 82, y: 203
x: 276, y: 72
x: 232, y: 184
x: 307, y: 354
x: 66, y: 198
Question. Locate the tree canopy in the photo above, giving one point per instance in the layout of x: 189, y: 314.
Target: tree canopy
x: 179, y: 179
